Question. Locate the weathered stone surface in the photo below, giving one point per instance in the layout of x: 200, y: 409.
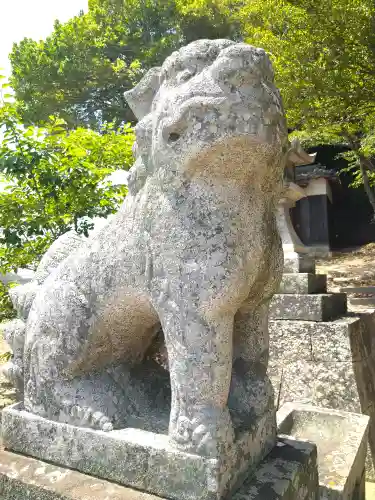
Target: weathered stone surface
x: 322, y: 307
x: 325, y: 384
x: 25, y: 478
x: 341, y: 440
x: 303, y: 283
x: 194, y: 249
x: 288, y: 473
x: 299, y: 263
x: 23, y: 296
x: 311, y: 341
x: 328, y: 365
x: 137, y: 458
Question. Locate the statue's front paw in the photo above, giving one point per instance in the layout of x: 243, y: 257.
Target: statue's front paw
x: 87, y: 417
x: 209, y: 433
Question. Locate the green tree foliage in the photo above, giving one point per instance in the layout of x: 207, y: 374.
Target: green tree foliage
x: 81, y: 71
x: 324, y: 58
x: 323, y: 53
x: 6, y: 308
x: 55, y: 182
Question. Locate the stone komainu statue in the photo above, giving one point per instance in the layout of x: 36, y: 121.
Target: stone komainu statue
x: 193, y: 250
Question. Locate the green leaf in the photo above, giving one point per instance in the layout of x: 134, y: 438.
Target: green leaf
x: 5, y: 357
x: 55, y: 182
x: 81, y: 70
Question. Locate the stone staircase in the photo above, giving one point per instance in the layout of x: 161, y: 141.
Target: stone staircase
x: 303, y: 294
x: 321, y: 354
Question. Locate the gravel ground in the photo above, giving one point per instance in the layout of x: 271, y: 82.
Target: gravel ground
x: 351, y: 267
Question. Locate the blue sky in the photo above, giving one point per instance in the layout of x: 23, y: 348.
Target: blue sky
x: 31, y: 19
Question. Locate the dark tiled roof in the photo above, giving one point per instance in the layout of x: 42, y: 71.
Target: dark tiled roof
x: 305, y: 173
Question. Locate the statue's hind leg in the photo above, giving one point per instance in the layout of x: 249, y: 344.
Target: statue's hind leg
x: 96, y: 400
x: 56, y: 384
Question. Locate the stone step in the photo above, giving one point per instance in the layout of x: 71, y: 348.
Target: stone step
x: 303, y: 283
x: 299, y: 263
x: 319, y: 307
x: 367, y: 292
x: 362, y: 301
x: 359, y: 289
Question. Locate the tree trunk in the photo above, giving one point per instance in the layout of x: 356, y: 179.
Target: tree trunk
x: 366, y: 183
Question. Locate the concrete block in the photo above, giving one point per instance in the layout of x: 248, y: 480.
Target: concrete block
x: 327, y: 365
x: 318, y: 341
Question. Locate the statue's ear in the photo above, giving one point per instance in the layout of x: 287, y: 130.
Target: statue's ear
x: 141, y: 96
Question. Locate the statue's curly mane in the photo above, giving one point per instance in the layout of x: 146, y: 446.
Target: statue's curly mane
x: 178, y: 67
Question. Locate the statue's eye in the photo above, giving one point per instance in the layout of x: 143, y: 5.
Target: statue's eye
x: 184, y: 76
x: 173, y: 137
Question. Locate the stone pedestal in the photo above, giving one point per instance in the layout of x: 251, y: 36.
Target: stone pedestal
x: 288, y: 473
x: 296, y: 263
x: 320, y: 354
x: 137, y: 458
x: 289, y: 237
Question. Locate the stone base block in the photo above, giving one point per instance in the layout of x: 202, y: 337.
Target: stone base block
x: 298, y: 263
x: 327, y: 365
x: 137, y: 458
x: 330, y: 342
x: 322, y: 307
x: 288, y: 473
x: 341, y: 439
x: 323, y: 364
x: 303, y: 283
